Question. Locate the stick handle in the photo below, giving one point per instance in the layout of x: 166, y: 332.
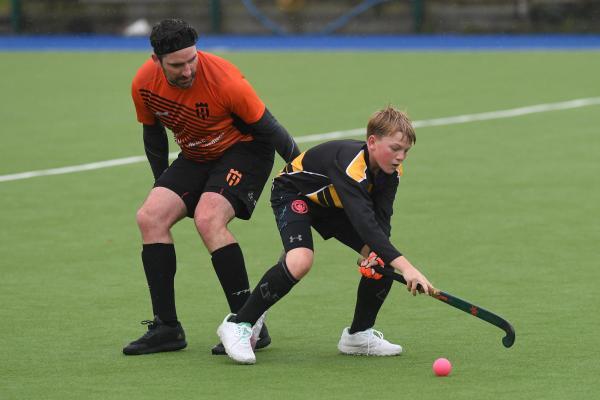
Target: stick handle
x: 508, y: 340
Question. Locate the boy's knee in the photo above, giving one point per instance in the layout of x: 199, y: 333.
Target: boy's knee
x: 299, y: 261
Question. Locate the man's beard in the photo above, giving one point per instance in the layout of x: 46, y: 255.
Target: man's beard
x: 183, y: 83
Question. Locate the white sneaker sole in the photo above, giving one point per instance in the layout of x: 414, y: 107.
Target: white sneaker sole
x: 360, y: 351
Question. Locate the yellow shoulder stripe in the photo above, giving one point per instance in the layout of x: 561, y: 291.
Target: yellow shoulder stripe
x: 357, y: 169
x: 297, y: 163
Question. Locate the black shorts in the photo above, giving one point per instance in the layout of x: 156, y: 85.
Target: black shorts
x: 295, y: 214
x: 239, y: 175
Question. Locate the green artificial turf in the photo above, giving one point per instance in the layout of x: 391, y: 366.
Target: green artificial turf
x: 503, y: 213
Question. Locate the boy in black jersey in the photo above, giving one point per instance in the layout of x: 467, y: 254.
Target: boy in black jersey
x: 344, y: 189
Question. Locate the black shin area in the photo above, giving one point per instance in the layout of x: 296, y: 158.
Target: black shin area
x: 228, y: 262
x: 370, y: 297
x: 160, y: 265
x: 275, y: 284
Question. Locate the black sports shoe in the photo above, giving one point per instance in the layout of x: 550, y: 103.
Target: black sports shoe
x: 160, y: 337
x: 263, y: 341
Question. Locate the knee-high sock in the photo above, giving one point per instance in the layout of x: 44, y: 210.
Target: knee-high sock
x: 369, y: 299
x: 228, y: 262
x: 160, y: 265
x: 275, y: 284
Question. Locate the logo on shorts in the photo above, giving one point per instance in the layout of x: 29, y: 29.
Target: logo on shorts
x: 233, y: 177
x: 294, y: 238
x: 299, y: 207
x: 202, y: 110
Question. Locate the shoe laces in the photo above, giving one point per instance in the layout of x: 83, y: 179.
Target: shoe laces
x: 374, y: 337
x: 243, y: 331
x: 151, y: 326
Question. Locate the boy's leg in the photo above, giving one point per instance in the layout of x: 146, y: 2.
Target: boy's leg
x: 237, y: 331
x: 275, y: 283
x: 369, y: 298
x: 360, y: 338
x: 293, y: 222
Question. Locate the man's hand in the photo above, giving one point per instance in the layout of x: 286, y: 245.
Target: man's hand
x: 365, y: 266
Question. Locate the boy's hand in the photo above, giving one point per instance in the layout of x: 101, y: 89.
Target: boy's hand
x: 364, y: 266
x: 416, y: 282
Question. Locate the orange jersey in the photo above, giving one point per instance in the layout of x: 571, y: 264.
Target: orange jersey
x: 200, y: 117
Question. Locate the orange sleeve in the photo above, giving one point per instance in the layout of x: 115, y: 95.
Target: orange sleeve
x: 144, y: 115
x: 243, y: 100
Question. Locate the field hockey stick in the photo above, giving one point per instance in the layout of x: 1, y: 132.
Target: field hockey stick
x: 461, y: 304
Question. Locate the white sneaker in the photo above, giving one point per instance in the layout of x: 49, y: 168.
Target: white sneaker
x: 367, y: 343
x: 256, y: 330
x: 236, y: 340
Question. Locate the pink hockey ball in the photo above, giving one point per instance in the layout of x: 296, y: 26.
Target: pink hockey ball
x: 442, y: 367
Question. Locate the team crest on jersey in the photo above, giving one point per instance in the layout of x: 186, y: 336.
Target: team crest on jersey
x: 202, y: 110
x: 233, y: 177
x: 299, y: 207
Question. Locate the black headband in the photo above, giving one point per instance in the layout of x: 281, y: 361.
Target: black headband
x: 181, y: 39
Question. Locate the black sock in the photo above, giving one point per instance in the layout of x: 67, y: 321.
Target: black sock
x: 228, y: 262
x: 369, y: 299
x: 275, y: 284
x: 160, y: 265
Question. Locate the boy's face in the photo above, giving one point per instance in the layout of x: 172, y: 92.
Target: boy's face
x: 388, y: 152
x: 180, y: 66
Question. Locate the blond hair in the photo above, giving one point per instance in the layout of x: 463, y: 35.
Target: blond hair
x: 389, y: 121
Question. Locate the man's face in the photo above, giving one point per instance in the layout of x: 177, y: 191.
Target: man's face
x: 180, y: 67
x: 388, y: 152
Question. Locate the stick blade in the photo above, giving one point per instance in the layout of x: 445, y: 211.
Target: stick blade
x: 509, y: 339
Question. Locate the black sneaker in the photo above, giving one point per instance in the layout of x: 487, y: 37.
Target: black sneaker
x: 160, y: 337
x: 263, y: 341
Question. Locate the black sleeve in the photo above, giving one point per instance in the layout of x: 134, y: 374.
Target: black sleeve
x: 383, y: 201
x: 268, y: 128
x: 156, y: 145
x: 360, y: 210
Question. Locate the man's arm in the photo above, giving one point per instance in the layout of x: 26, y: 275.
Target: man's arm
x: 269, y: 129
x: 156, y: 145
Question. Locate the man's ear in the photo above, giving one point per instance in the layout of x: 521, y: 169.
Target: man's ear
x: 155, y: 59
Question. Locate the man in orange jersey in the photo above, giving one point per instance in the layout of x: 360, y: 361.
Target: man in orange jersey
x: 227, y: 138
x: 343, y: 189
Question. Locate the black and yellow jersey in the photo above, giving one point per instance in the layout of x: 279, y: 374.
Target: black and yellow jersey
x: 337, y: 174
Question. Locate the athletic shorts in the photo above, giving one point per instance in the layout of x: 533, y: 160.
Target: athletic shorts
x: 239, y: 175
x: 296, y: 214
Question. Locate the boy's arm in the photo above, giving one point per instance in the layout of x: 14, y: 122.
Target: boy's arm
x: 359, y: 208
x: 415, y: 280
x: 383, y: 202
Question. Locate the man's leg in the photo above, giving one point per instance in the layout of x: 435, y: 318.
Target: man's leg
x: 212, y: 215
x: 161, y: 210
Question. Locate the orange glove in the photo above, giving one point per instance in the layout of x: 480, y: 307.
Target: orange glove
x: 364, y: 266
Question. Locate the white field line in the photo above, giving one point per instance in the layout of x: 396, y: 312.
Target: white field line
x: 458, y: 119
